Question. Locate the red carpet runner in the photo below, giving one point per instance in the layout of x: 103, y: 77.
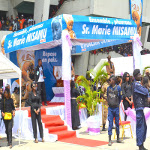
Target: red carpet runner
x: 56, y: 126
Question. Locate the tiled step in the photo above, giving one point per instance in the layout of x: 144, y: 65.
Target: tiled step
x: 54, y: 123
x: 47, y: 118
x: 57, y: 128
x: 65, y: 134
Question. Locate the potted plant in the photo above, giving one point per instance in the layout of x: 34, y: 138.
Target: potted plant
x: 91, y: 98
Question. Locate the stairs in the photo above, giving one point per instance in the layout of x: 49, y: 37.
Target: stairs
x: 55, y: 125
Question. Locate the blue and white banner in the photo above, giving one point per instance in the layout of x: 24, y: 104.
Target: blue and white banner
x: 35, y: 35
x: 98, y: 28
x: 82, y: 29
x: 105, y: 31
x: 96, y: 45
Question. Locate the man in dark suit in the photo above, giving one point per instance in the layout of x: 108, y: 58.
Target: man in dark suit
x: 39, y: 79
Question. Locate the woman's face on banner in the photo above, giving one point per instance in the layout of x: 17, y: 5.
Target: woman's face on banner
x: 56, y: 30
x: 69, y: 25
x: 136, y: 18
x: 2, y: 46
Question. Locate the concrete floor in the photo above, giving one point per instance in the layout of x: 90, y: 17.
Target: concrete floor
x: 128, y: 144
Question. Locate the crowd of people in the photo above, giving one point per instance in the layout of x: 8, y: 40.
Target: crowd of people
x: 9, y: 102
x: 133, y: 91
x: 15, y: 24
x: 122, y: 49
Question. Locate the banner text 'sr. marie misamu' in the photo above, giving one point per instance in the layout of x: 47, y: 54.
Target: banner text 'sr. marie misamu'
x: 78, y: 27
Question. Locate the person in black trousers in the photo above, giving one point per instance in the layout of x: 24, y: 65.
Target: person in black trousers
x: 34, y: 102
x: 74, y: 110
x: 39, y: 78
x: 8, y: 106
x: 1, y: 96
x: 126, y: 88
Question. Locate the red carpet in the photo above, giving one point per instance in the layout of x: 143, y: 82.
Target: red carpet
x: 55, y: 125
x: 84, y: 142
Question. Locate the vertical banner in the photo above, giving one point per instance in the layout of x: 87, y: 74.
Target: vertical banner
x: 136, y: 11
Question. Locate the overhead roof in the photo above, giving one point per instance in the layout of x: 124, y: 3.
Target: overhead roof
x: 8, y: 70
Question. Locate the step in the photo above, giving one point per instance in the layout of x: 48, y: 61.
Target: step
x: 65, y: 134
x: 43, y: 112
x: 54, y: 123
x: 57, y: 128
x: 47, y: 118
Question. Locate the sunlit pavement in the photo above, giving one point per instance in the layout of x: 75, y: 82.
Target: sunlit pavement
x: 128, y: 143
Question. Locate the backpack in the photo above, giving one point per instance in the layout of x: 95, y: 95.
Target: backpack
x: 113, y: 99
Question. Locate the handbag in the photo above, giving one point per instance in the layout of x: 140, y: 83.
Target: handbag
x: 8, y: 116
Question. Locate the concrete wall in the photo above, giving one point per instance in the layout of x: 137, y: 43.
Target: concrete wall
x: 75, y: 7
x: 2, y: 34
x: 144, y: 34
x: 4, y: 5
x: 107, y: 8
x: 146, y: 14
x: 41, y: 10
x: 95, y: 59
x: 88, y: 61
x: 81, y: 64
x: 12, y: 11
x: 112, y: 8
x: 144, y: 37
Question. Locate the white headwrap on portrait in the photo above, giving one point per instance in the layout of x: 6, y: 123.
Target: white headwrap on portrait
x: 68, y: 18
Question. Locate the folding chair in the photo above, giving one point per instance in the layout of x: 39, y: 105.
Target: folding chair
x: 123, y: 124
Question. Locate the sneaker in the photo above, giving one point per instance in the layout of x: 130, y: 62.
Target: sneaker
x: 104, y: 129
x: 119, y: 141
x: 110, y: 143
x: 144, y: 148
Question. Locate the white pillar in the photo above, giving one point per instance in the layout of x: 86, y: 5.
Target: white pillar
x: 11, y: 10
x: 136, y: 44
x: 81, y: 64
x: 41, y: 10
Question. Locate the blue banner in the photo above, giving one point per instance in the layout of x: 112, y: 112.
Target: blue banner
x: 51, y: 59
x: 136, y: 11
x: 41, y: 33
x: 96, y: 45
x: 98, y: 28
x: 83, y: 29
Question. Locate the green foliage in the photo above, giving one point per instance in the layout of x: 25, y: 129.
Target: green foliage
x: 92, y: 98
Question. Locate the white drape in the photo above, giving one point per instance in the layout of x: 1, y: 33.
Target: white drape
x: 136, y: 44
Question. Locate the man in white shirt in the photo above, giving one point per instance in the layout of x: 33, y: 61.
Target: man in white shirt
x: 39, y: 78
